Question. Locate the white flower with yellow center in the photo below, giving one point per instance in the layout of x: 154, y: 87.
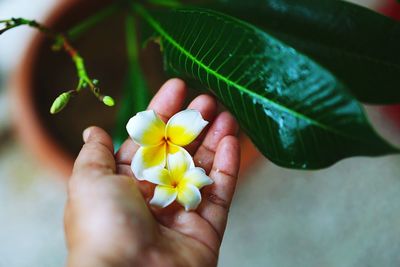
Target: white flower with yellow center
x: 157, y: 139
x: 181, y: 181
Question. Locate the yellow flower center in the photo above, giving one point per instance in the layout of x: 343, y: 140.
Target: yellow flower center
x: 174, y: 184
x: 171, y: 148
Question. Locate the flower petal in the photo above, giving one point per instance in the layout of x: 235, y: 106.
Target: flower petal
x: 184, y: 127
x: 163, y: 196
x: 197, y: 177
x: 146, y: 128
x: 158, y: 176
x: 189, y: 196
x: 178, y: 163
x: 148, y: 157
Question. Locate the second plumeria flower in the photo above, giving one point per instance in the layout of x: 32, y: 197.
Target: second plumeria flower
x: 181, y: 181
x: 157, y: 139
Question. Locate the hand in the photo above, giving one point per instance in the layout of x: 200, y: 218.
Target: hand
x: 107, y: 219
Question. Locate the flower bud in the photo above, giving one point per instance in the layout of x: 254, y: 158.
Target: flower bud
x: 109, y: 101
x: 60, y: 103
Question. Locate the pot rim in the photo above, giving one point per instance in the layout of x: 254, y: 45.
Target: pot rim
x: 24, y: 116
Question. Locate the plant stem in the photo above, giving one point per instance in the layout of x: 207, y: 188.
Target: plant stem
x: 15, y: 22
x: 76, y: 31
x: 84, y: 79
x: 135, y: 95
x: 131, y: 40
x: 60, y: 42
x: 166, y: 3
x: 139, y: 85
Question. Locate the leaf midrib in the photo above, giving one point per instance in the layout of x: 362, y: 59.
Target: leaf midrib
x: 170, y: 39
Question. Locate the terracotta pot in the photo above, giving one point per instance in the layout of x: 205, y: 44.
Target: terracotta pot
x: 42, y: 75
x: 391, y: 8
x: 27, y: 121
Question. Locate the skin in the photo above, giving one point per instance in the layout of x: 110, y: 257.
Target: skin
x: 108, y: 221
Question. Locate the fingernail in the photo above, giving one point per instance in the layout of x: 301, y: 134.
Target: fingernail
x: 86, y: 134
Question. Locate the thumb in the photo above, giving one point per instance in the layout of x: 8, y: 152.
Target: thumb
x: 97, y: 154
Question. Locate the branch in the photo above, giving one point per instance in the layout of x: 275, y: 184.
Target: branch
x: 62, y: 42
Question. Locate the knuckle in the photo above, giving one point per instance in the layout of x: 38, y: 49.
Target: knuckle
x: 213, y: 198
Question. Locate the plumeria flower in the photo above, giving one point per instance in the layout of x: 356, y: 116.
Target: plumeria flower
x: 157, y: 139
x: 181, y: 181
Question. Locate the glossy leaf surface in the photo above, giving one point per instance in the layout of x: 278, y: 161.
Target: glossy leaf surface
x: 359, y: 46
x: 296, y: 113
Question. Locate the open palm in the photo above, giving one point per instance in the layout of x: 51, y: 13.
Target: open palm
x: 108, y: 218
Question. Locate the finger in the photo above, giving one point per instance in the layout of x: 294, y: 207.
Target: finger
x: 224, y: 125
x: 126, y: 152
x: 218, y: 196
x: 97, y: 154
x: 168, y: 101
x: 124, y: 168
x: 98, y: 201
x: 207, y: 106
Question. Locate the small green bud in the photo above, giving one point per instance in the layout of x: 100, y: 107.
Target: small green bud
x: 60, y: 103
x: 57, y: 45
x: 109, y: 101
x: 95, y: 81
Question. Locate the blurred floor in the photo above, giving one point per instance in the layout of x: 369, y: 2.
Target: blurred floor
x: 347, y: 215
x: 32, y: 199
x: 31, y: 210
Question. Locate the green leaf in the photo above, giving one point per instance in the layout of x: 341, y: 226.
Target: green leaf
x: 136, y: 95
x: 359, y: 46
x: 295, y: 112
